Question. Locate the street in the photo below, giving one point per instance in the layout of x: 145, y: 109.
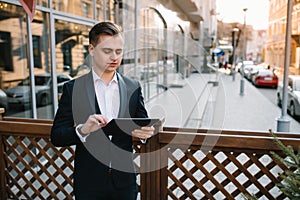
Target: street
x: 270, y: 93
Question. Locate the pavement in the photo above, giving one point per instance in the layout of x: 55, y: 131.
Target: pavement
x: 213, y: 101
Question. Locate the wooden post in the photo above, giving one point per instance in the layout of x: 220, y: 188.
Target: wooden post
x: 150, y: 168
x: 3, y: 194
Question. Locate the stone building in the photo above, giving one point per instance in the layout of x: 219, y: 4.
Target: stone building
x: 275, y: 43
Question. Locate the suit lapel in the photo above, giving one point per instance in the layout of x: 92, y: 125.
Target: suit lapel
x: 123, y: 95
x: 91, y: 93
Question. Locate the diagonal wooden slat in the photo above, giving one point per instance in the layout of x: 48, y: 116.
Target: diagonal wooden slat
x: 230, y: 177
x: 190, y: 176
x: 249, y: 175
x: 208, y: 175
x: 33, y: 173
x: 180, y: 185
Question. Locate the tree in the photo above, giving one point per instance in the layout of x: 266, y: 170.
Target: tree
x: 290, y: 184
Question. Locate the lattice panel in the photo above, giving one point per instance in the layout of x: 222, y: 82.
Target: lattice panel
x: 195, y: 174
x: 38, y: 170
x: 35, y: 169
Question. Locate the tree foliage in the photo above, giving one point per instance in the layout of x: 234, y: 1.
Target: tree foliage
x: 290, y: 184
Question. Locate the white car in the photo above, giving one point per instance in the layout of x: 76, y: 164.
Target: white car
x: 246, y: 62
x: 20, y: 94
x: 293, y: 99
x: 3, y: 99
x: 251, y: 70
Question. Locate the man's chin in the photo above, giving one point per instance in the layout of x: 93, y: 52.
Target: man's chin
x: 111, y: 69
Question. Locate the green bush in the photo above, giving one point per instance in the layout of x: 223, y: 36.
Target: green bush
x: 290, y: 184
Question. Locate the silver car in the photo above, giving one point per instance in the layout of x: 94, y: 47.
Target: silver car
x: 20, y: 94
x: 293, y: 100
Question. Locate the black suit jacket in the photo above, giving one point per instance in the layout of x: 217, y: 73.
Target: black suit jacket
x: 92, y: 158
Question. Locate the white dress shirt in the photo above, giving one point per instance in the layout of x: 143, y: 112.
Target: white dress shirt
x: 108, y: 96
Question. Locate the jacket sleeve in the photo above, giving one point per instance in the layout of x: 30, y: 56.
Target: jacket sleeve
x: 63, y: 130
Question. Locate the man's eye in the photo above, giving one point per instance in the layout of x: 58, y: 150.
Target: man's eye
x: 119, y: 52
x: 107, y: 51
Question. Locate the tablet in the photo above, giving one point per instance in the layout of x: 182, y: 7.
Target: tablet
x: 127, y: 125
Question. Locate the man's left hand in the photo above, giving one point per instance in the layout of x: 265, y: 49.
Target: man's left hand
x: 144, y: 133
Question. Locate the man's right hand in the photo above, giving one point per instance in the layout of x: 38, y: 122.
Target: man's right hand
x: 93, y: 123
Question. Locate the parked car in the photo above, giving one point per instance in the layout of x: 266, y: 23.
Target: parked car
x: 265, y: 77
x: 246, y: 62
x: 3, y: 100
x: 20, y: 94
x: 293, y: 99
x: 250, y: 70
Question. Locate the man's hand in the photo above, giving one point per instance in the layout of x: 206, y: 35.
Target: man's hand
x: 143, y: 133
x: 93, y: 123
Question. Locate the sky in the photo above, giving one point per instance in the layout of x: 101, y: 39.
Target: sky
x: 232, y: 11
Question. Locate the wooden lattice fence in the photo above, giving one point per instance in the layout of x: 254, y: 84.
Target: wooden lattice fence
x: 188, y: 163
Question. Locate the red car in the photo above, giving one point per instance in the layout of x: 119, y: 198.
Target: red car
x: 265, y: 77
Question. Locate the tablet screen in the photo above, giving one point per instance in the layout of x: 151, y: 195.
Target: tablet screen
x: 127, y: 125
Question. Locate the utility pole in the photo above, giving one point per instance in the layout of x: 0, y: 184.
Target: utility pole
x: 234, y: 45
x: 283, y: 123
x: 242, y: 84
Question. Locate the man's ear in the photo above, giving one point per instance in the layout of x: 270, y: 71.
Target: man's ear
x: 91, y: 50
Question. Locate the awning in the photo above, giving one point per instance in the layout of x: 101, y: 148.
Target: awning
x: 218, y: 51
x: 186, y: 9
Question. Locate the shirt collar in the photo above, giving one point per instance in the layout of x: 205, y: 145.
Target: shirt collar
x: 96, y: 77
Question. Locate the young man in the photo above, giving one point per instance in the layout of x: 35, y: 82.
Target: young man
x: 103, y: 163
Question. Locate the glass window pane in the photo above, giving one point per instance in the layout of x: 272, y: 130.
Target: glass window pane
x: 13, y: 61
x: 72, y: 48
x: 43, y: 3
x: 83, y: 8
x: 42, y: 65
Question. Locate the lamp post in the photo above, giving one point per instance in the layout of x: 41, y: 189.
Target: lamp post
x: 242, y: 85
x: 283, y: 122
x: 234, y: 45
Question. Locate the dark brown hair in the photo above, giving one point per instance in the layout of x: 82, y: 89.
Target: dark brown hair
x: 103, y: 28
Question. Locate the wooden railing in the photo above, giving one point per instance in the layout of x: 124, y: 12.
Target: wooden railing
x: 175, y: 163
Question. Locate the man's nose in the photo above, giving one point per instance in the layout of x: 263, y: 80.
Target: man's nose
x: 113, y: 55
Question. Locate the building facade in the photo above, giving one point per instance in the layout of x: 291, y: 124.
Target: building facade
x: 162, y: 37
x: 275, y: 43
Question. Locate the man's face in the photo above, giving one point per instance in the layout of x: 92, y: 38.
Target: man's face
x: 107, y: 55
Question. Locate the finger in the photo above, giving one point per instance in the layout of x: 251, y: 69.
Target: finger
x: 147, y: 128
x: 137, y: 133
x: 102, y: 120
x: 142, y: 134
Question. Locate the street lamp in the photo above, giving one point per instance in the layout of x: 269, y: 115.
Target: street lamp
x: 242, y: 85
x: 283, y: 122
x: 234, y: 45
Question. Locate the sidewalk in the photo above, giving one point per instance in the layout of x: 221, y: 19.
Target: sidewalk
x: 178, y: 103
x: 200, y: 105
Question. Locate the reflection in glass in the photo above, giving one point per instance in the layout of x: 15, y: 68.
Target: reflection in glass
x: 43, y: 3
x: 72, y: 48
x: 13, y: 53
x: 83, y: 8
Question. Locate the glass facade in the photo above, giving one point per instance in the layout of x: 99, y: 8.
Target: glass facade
x: 55, y: 43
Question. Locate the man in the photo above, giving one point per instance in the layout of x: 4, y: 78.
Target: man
x: 103, y: 162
